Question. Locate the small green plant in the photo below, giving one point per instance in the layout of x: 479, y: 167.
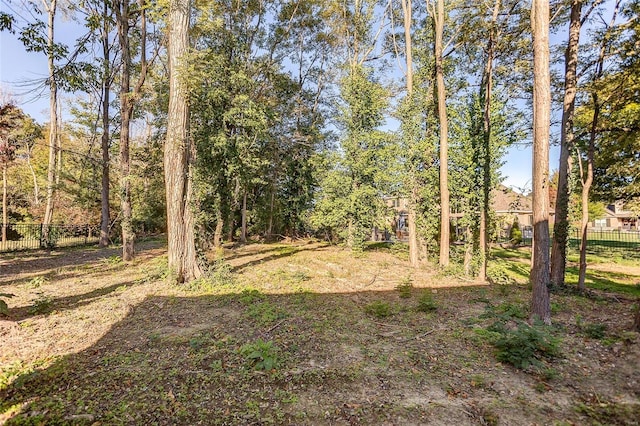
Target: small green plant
x: 261, y: 355
x: 41, y: 305
x: 249, y: 296
x: 265, y: 313
x: 38, y: 281
x: 595, y: 331
x: 405, y: 287
x: 515, y: 234
x: 4, y: 308
x: 378, y: 309
x: 527, y: 345
x: 426, y: 303
x: 112, y: 260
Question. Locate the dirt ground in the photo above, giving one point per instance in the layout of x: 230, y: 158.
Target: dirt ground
x: 298, y: 333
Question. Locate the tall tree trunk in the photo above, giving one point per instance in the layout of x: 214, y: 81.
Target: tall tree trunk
x: 561, y: 226
x: 243, y: 229
x: 487, y: 91
x: 444, y: 134
x: 588, y: 179
x: 407, y: 11
x: 217, y: 235
x: 178, y: 155
x: 36, y: 187
x: 105, y: 220
x: 53, y: 122
x: 4, y: 204
x: 126, y: 110
x: 540, y: 303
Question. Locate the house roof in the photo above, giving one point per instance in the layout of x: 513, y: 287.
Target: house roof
x: 507, y: 200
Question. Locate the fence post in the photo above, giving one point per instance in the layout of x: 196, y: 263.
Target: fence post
x: 42, y: 235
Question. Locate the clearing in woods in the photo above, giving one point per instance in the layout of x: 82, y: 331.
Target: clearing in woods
x: 306, y: 333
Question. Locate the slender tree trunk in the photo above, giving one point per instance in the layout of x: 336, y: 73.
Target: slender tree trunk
x: 588, y: 179
x: 486, y: 138
x: 217, y: 235
x: 444, y: 134
x: 4, y: 204
x: 407, y: 9
x: 243, y: 230
x: 36, y: 187
x: 561, y: 226
x: 105, y: 220
x: 178, y: 155
x: 586, y: 187
x: 126, y: 109
x: 540, y: 302
x: 53, y: 123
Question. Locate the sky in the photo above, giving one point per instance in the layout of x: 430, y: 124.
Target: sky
x: 18, y: 66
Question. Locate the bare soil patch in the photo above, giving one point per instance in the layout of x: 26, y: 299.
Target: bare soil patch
x: 92, y: 340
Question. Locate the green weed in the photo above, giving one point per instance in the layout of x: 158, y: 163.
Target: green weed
x: 379, y: 309
x: 426, y: 303
x: 261, y: 355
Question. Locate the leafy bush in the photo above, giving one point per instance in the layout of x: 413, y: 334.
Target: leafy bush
x: 515, y: 234
x: 526, y: 345
x: 4, y: 308
x: 595, y: 331
x: 426, y: 302
x: 378, y: 309
x: 405, y: 287
x: 261, y: 355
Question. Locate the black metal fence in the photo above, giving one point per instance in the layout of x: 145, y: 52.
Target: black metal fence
x: 26, y: 236
x: 596, y: 239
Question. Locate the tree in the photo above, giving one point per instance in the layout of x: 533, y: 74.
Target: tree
x: 540, y: 303
x: 10, y: 117
x: 567, y: 136
x: 128, y: 98
x: 586, y: 176
x: 438, y: 15
x: 178, y: 152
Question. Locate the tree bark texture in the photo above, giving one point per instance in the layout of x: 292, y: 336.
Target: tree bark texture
x: 105, y: 220
x: 540, y: 274
x: 444, y: 134
x: 407, y: 9
x: 126, y: 110
x: 487, y: 89
x: 561, y: 225
x: 178, y: 154
x: 4, y: 203
x: 53, y: 122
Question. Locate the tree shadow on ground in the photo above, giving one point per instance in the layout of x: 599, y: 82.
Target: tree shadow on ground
x: 339, y: 359
x: 280, y: 252
x: 48, y: 305
x: 41, y: 261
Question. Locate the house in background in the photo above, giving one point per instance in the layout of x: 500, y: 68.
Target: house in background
x: 616, y: 218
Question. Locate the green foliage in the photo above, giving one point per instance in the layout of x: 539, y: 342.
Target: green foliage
x: 405, y: 287
x: 41, y: 305
x: 4, y: 308
x: 595, y: 331
x: 265, y: 313
x: 527, y: 345
x: 515, y: 234
x: 379, y: 309
x: 426, y: 302
x: 261, y: 355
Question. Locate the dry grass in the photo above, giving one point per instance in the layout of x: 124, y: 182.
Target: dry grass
x: 92, y: 340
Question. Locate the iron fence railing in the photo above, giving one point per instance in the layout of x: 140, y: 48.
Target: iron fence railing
x: 26, y: 236
x: 596, y: 239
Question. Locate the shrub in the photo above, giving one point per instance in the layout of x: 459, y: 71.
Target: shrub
x: 515, y: 234
x: 261, y: 355
x: 4, y: 308
x: 378, y: 309
x: 526, y: 345
x: 426, y: 302
x: 405, y: 287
